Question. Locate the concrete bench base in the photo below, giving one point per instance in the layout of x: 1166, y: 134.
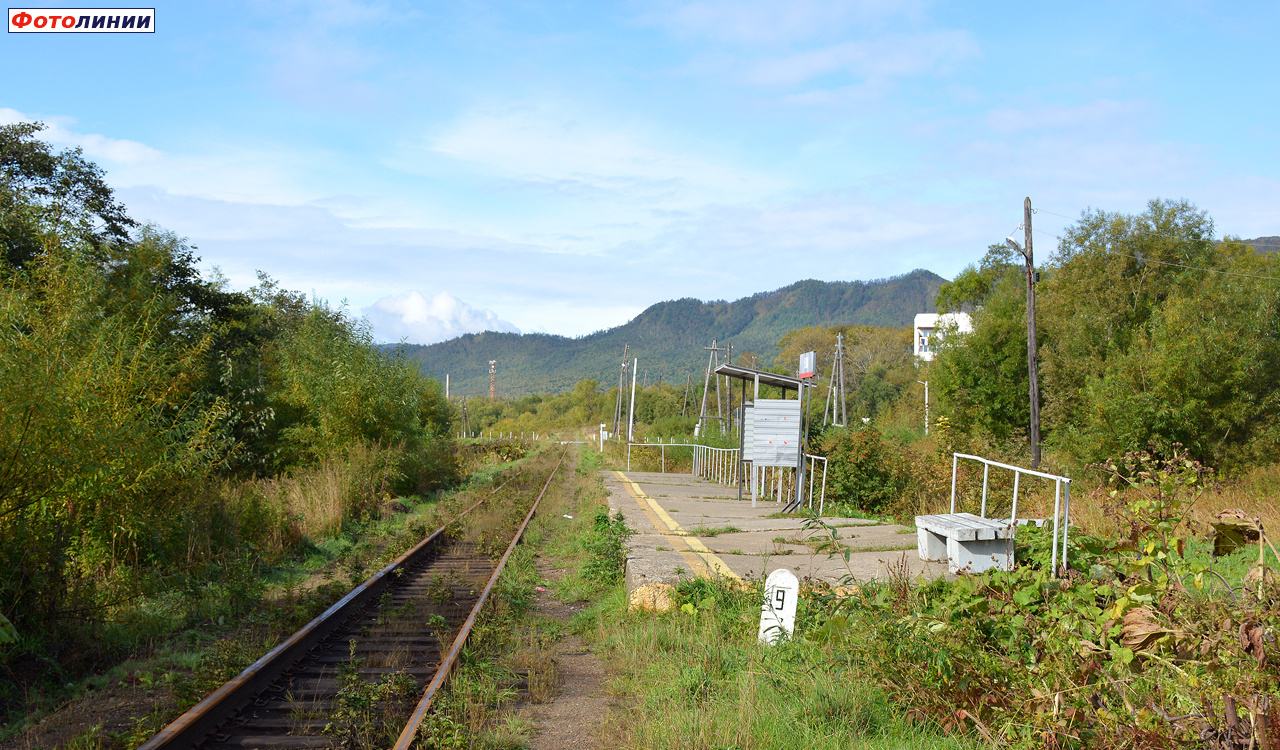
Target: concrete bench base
x: 967, y: 542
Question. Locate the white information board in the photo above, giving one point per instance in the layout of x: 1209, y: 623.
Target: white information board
x: 808, y: 364
x: 748, y: 431
x: 775, y: 432
x: 778, y: 613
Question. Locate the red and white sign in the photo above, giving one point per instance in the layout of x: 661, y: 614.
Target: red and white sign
x: 808, y: 363
x: 82, y: 20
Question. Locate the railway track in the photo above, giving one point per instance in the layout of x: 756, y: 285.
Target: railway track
x: 382, y: 651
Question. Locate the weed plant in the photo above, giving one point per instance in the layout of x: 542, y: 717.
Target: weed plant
x: 604, y: 547
x: 367, y: 713
x: 1139, y: 642
x: 509, y: 645
x: 697, y: 677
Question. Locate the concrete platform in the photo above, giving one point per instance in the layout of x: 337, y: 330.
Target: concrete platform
x: 686, y: 526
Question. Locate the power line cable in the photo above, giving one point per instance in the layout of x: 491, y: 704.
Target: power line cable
x: 1068, y: 218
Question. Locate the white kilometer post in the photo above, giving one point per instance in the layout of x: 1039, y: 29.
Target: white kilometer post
x: 778, y: 612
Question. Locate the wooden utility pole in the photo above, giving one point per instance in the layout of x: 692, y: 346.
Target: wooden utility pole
x: 684, y: 407
x: 1033, y: 367
x: 631, y: 413
x: 622, y: 389
x: 728, y: 396
x: 835, y: 388
x: 713, y: 360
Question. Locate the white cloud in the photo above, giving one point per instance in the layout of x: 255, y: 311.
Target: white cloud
x: 1100, y: 115
x: 418, y: 320
x: 752, y: 22
x: 262, y: 173
x: 891, y: 56
x: 542, y: 143
x: 95, y: 146
x: 837, y: 235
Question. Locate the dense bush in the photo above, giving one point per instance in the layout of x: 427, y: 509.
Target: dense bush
x: 1145, y: 641
x: 865, y: 471
x: 162, y: 433
x: 1151, y: 332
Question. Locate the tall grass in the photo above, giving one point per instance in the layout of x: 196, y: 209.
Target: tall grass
x: 316, y: 498
x: 701, y: 679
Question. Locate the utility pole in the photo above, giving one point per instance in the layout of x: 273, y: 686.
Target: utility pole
x: 618, y: 411
x: 712, y: 361
x: 685, y: 406
x: 493, y: 371
x: 728, y: 396
x: 631, y: 416
x: 1033, y: 368
x: 835, y: 388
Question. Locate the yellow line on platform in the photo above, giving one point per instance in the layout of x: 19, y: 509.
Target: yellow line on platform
x: 656, y: 513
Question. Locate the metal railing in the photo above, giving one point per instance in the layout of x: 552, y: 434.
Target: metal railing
x: 1061, y: 498
x: 662, y: 447
x: 822, y: 496
x: 721, y: 465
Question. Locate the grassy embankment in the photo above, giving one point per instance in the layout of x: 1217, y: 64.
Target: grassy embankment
x: 1149, y: 640
x: 184, y: 644
x: 682, y: 679
x: 902, y: 663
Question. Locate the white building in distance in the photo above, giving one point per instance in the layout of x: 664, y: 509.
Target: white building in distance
x: 931, y: 327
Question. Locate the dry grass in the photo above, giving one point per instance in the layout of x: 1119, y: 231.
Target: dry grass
x: 317, y: 498
x: 1256, y: 493
x: 534, y: 657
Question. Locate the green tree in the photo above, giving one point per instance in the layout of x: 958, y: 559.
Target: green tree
x: 980, y: 379
x: 1151, y: 333
x: 1203, y: 372
x: 342, y: 391
x: 972, y: 286
x: 105, y: 434
x: 45, y: 194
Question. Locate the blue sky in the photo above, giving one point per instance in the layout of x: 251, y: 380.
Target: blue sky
x: 558, y: 167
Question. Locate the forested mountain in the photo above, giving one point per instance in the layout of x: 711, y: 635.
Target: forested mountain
x: 668, y: 338
x: 1264, y: 244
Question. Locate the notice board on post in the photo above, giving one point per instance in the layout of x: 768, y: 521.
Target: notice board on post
x: 748, y: 431
x: 775, y: 432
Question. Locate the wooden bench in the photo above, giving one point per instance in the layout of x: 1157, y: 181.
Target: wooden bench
x: 968, y: 542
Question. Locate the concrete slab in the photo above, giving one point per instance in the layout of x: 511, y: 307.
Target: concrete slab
x: 686, y: 526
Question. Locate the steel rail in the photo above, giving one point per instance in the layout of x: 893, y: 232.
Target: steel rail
x: 408, y: 734
x: 200, y: 721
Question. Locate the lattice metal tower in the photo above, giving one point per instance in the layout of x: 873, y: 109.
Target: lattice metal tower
x: 493, y: 373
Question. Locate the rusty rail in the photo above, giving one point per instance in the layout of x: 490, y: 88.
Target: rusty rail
x: 195, y: 726
x: 415, y: 720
